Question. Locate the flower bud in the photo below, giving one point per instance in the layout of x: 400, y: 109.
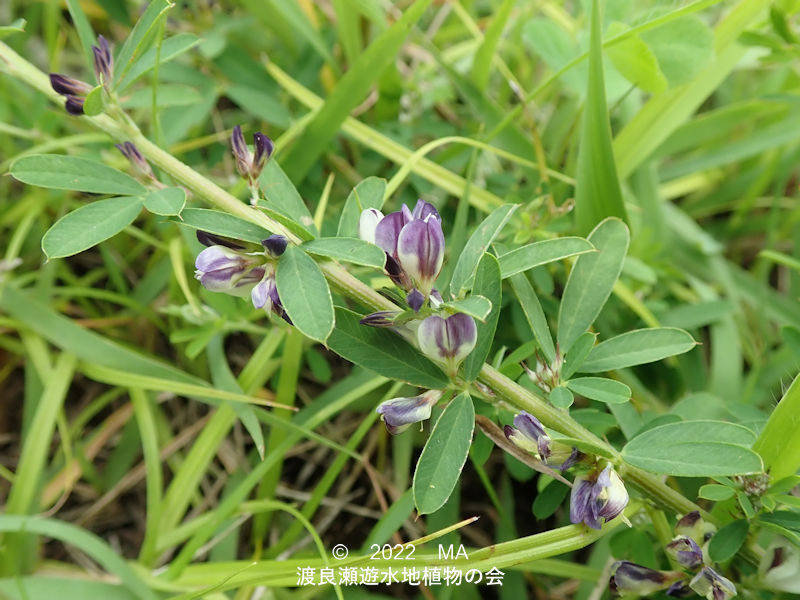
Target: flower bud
x: 367, y: 223
x: 131, y: 152
x: 222, y: 269
x: 400, y: 413
x: 602, y: 496
x: 74, y: 105
x: 712, y: 585
x: 685, y: 551
x: 67, y: 86
x: 103, y: 61
x: 383, y: 318
x: 693, y: 526
x: 249, y: 165
x: 447, y: 340
x: 240, y: 152
x: 529, y: 435
x: 275, y: 245
x: 415, y: 300
x: 630, y: 579
x: 264, y: 148
x: 420, y: 251
x: 423, y: 210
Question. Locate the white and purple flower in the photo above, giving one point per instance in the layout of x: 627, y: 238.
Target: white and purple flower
x: 400, y: 413
x: 685, y: 551
x: 599, y: 496
x: 630, y: 579
x: 529, y: 435
x: 447, y: 340
x: 712, y: 585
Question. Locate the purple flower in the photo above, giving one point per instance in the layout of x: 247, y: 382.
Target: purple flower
x: 712, y: 585
x: 275, y: 245
x: 685, y: 551
x: 413, y: 242
x: 449, y: 340
x: 249, y: 165
x: 529, y: 435
x: 630, y: 579
x: 382, y: 318
x: 601, y: 496
x: 222, y: 269
x: 400, y: 413
x: 67, y: 86
x: 131, y: 152
x: 103, y: 61
x: 693, y: 526
x: 74, y: 105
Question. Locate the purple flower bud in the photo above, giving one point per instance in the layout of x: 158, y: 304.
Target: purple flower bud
x: 693, y: 526
x: 367, y: 223
x: 423, y: 209
x: 222, y: 269
x: 420, y: 251
x: 264, y: 148
x: 265, y: 294
x: 685, y: 551
x: 529, y: 435
x: 602, y: 496
x: 712, y: 585
x: 74, y: 105
x: 383, y: 318
x: 447, y: 340
x: 240, y: 152
x: 67, y: 86
x: 275, y: 245
x: 630, y: 579
x: 415, y: 299
x: 103, y: 61
x: 131, y: 152
x: 211, y: 239
x: 400, y: 413
x: 387, y: 232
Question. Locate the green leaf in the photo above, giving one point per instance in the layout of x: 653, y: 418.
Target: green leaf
x: 170, y: 48
x: 17, y: 26
x: 282, y: 196
x: 779, y: 441
x: 634, y: 59
x: 694, y: 449
x: 167, y: 201
x: 477, y: 244
x: 637, y: 347
x: 787, y: 519
x: 549, y: 499
x: 444, y: 455
x: 482, y: 62
x: 95, y: 102
x: 716, y: 492
x: 534, y: 314
x: 727, y: 541
x: 383, y: 351
x: 135, y: 43
x: 577, y: 353
x: 561, y: 397
x: 592, y: 278
x: 367, y: 194
x: 601, y: 389
x: 352, y: 250
x: 597, y: 190
x: 475, y: 306
x: 84, y: 29
x: 683, y: 47
x: 220, y: 223
x: 349, y: 92
x: 305, y: 294
x: 74, y: 173
x: 540, y: 253
x: 90, y: 225
x: 488, y: 285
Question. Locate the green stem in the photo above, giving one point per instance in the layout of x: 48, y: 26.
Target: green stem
x: 342, y: 280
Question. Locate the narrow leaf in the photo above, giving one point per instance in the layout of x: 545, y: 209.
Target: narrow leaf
x: 74, y: 173
x: 134, y: 45
x: 352, y: 250
x: 637, y: 348
x: 220, y: 223
x: 488, y: 285
x: 779, y: 441
x: 444, y: 455
x: 534, y: 314
x: 305, y: 294
x: 540, y: 253
x: 727, y: 541
x: 475, y: 306
x: 90, y: 225
x: 170, y: 48
x: 601, y: 389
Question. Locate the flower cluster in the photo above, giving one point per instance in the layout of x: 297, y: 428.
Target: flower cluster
x: 688, y: 550
x: 250, y: 164
x: 227, y: 267
x: 75, y: 90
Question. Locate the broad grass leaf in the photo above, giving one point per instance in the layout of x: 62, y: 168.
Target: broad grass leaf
x: 367, y: 194
x: 637, y: 348
x: 140, y: 36
x: 592, y: 278
x: 597, y: 191
x: 170, y: 48
x: 220, y: 223
x: 89, y: 225
x: 539, y: 253
x: 482, y: 61
x: 477, y: 244
x: 74, y: 173
x: 305, y: 294
x: 779, y: 441
x: 488, y: 285
x: 444, y: 455
x: 694, y: 449
x: 347, y: 249
x: 382, y: 351
x: 600, y: 389
x: 166, y: 201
